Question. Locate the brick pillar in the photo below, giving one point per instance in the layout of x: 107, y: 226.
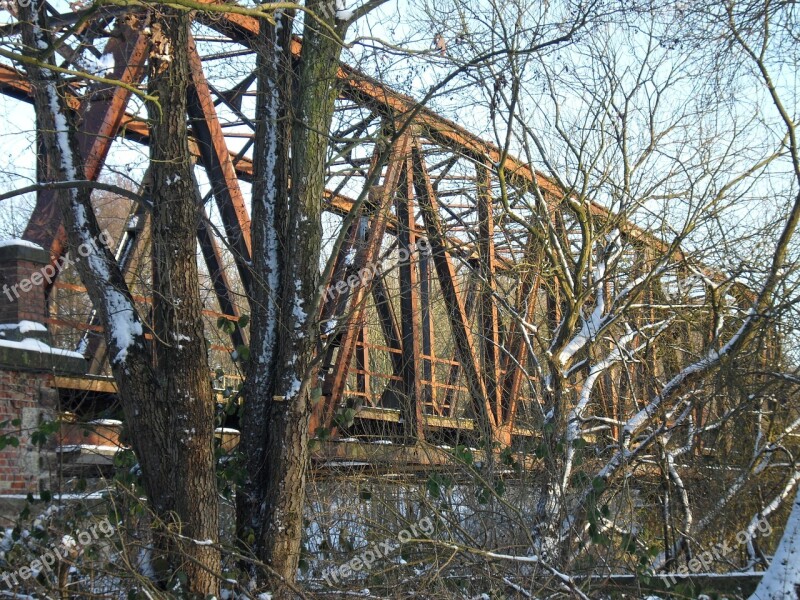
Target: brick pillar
x: 28, y: 365
x: 24, y: 272
x: 26, y: 398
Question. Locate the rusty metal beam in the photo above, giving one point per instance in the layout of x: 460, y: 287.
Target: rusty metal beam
x: 428, y: 337
x: 101, y: 113
x: 462, y: 334
x: 490, y: 328
x: 362, y: 363
x: 411, y: 390
x: 333, y: 312
x: 216, y: 160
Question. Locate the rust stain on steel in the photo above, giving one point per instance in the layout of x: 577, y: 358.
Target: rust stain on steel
x: 462, y: 334
x: 366, y: 255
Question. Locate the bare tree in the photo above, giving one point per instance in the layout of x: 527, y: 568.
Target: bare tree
x: 657, y: 315
x: 294, y: 113
x: 164, y: 384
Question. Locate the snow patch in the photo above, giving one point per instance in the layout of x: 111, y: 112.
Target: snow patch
x: 106, y: 422
x: 145, y: 563
x: 24, y: 326
x: 97, y: 66
x: 32, y: 345
x: 28, y: 326
x: 19, y: 243
x: 93, y: 448
x: 342, y: 12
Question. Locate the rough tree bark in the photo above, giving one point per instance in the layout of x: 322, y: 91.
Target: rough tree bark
x: 182, y: 394
x: 164, y: 386
x: 294, y: 112
x: 270, y: 204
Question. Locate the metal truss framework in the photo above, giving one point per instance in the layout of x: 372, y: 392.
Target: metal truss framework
x: 424, y: 346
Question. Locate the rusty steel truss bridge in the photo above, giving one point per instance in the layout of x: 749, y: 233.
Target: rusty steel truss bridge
x: 432, y: 330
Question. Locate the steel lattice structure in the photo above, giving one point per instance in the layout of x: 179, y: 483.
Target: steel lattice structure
x: 439, y: 187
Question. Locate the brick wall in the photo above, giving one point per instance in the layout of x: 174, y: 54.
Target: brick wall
x: 29, y: 397
x: 22, y: 283
x: 27, y: 385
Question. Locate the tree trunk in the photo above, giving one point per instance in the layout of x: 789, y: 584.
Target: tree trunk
x: 183, y: 393
x: 164, y: 387
x: 287, y: 233
x: 268, y: 230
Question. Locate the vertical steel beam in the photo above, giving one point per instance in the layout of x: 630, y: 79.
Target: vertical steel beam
x: 362, y: 364
x: 490, y: 329
x: 462, y: 334
x: 411, y: 397
x: 428, y: 339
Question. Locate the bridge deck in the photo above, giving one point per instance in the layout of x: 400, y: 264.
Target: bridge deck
x: 106, y: 385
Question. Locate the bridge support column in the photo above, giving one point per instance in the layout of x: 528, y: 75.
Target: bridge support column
x: 28, y: 365
x: 23, y: 276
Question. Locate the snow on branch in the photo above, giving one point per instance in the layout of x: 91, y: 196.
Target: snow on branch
x: 124, y: 327
x: 711, y: 359
x: 782, y: 579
